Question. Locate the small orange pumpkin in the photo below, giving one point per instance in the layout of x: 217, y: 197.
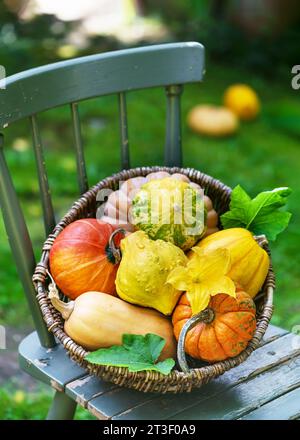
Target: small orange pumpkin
x: 225, y: 332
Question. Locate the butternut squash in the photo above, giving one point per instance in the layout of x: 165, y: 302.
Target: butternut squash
x: 97, y: 320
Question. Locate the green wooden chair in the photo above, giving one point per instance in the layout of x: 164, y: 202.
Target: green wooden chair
x: 256, y: 382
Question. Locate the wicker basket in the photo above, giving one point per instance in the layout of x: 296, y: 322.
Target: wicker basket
x: 148, y: 381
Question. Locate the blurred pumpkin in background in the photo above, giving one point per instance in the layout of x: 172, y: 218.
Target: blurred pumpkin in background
x: 212, y: 120
x: 243, y: 101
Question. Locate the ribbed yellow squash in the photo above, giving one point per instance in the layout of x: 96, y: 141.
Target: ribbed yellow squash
x: 249, y: 262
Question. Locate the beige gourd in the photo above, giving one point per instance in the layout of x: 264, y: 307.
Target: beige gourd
x: 97, y: 320
x: 212, y: 120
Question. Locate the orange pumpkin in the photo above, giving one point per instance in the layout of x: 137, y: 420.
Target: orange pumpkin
x: 82, y: 260
x: 230, y: 324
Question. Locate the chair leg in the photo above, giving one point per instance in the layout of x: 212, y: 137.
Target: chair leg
x: 62, y: 407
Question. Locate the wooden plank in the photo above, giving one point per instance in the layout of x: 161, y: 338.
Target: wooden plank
x: 273, y: 332
x: 51, y: 366
x: 246, y: 396
x: 284, y: 408
x: 116, y: 401
x: 87, y: 388
x: 262, y: 359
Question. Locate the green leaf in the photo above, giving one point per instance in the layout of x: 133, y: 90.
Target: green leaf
x: 260, y: 215
x: 138, y: 353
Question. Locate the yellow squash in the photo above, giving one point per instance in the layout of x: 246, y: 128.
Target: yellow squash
x: 249, y: 261
x: 171, y: 210
x: 144, y: 269
x: 97, y: 320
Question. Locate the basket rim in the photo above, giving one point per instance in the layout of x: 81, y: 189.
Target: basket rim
x: 176, y: 381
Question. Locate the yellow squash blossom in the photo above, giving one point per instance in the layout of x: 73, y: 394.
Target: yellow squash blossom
x: 204, y: 276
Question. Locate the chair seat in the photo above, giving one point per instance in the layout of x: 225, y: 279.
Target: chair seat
x: 266, y: 386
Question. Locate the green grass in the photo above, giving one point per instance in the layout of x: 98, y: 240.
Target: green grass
x: 17, y: 405
x: 264, y: 154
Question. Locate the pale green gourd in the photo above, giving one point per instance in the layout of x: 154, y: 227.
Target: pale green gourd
x: 170, y: 210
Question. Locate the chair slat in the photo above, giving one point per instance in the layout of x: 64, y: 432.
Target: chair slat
x: 125, y: 158
x: 173, y: 153
x: 48, y: 213
x: 45, y: 87
x: 81, y: 168
x: 53, y: 367
x: 285, y: 407
x: 21, y: 246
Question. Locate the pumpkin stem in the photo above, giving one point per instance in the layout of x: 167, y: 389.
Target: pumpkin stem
x: 261, y: 240
x: 207, y: 316
x: 64, y: 308
x: 113, y: 252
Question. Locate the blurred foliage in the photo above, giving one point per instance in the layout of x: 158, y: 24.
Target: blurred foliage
x: 267, y: 48
x: 27, y: 44
x: 286, y: 117
x: 270, y: 50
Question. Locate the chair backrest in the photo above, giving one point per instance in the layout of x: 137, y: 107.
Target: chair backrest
x: 28, y: 93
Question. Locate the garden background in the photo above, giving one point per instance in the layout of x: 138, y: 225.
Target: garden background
x: 253, y: 42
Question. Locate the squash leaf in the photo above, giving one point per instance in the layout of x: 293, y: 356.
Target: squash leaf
x: 138, y: 353
x: 260, y: 215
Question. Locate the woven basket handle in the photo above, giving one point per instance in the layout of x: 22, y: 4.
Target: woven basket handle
x: 207, y: 315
